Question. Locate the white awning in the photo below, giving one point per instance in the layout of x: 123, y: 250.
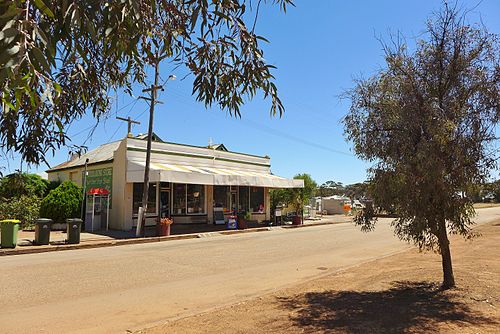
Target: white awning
x: 162, y: 172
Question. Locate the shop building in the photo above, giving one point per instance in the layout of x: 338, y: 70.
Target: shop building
x: 191, y: 184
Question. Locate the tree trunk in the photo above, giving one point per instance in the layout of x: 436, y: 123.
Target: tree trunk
x: 444, y: 246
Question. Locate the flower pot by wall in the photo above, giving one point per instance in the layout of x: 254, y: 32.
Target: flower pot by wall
x: 242, y: 223
x: 163, y: 226
x: 296, y: 220
x: 163, y: 229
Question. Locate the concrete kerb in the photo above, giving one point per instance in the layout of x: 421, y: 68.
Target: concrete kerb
x: 132, y: 241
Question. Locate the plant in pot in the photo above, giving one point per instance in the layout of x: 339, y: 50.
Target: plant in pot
x: 163, y: 226
x: 297, y: 202
x: 300, y: 196
x: 243, y: 218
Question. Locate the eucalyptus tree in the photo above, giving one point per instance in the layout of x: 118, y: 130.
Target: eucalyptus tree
x: 427, y: 122
x: 60, y: 59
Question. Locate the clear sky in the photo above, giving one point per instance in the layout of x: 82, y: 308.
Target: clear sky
x: 319, y: 47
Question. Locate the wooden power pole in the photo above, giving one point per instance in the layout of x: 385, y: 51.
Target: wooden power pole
x: 130, y: 121
x: 153, y: 95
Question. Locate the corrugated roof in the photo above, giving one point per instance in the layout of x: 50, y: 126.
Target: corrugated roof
x: 102, y: 153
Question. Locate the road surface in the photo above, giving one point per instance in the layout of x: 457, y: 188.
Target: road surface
x: 126, y: 288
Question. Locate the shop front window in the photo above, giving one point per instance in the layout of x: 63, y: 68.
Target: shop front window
x: 137, y: 197
x: 257, y: 199
x: 195, y: 198
x: 243, y: 199
x: 179, y: 199
x: 222, y: 198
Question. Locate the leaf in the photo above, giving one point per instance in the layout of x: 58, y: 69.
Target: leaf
x: 262, y: 39
x: 43, y: 7
x: 4, y: 74
x: 11, y: 12
x: 57, y: 88
x: 40, y: 58
x: 8, y: 33
x: 8, y: 58
x: 41, y: 35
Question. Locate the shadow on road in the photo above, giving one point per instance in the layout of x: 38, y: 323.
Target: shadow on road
x: 405, y: 307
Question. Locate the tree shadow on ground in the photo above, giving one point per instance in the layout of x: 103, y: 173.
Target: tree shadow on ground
x: 415, y: 307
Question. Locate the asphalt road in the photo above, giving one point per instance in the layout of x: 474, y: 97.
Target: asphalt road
x: 112, y: 290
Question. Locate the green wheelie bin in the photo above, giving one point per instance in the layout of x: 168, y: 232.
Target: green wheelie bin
x: 73, y: 228
x: 9, y: 227
x: 42, y: 231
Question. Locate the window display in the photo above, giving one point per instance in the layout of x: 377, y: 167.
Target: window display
x: 257, y: 199
x: 222, y: 198
x: 188, y: 199
x: 179, y: 199
x: 195, y: 198
x: 243, y: 201
x: 137, y: 197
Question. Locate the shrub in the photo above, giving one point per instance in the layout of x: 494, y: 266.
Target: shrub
x: 25, y: 208
x: 51, y: 186
x: 19, y: 184
x: 62, y: 203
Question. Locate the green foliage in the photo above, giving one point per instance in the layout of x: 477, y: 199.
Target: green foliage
x: 353, y: 191
x: 419, y: 120
x: 279, y: 197
x: 19, y: 184
x: 62, y: 203
x: 330, y: 188
x: 297, y: 197
x: 51, y: 186
x: 487, y: 192
x: 301, y: 196
x: 24, y: 208
x: 59, y: 59
x: 427, y: 121
x: 248, y: 215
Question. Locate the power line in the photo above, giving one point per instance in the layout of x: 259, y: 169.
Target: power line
x: 278, y: 133
x: 134, y: 102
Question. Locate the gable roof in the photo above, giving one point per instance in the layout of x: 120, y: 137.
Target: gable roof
x: 144, y: 136
x: 218, y: 147
x: 103, y: 153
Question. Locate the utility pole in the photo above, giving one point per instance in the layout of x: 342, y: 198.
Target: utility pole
x: 153, y: 93
x: 130, y: 121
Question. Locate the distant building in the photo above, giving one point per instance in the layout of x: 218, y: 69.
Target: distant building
x: 187, y: 182
x: 334, y: 204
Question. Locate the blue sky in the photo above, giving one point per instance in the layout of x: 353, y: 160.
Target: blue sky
x: 319, y: 47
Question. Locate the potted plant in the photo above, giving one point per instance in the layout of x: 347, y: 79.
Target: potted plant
x: 297, y: 202
x: 243, y: 218
x: 163, y: 226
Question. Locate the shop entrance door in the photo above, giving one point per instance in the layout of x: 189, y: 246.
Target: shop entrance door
x: 165, y: 203
x: 234, y: 201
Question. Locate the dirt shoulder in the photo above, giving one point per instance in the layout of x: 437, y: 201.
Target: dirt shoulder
x: 397, y: 294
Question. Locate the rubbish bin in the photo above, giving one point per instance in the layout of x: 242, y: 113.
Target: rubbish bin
x: 9, y: 232
x: 42, y: 231
x: 73, y: 228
